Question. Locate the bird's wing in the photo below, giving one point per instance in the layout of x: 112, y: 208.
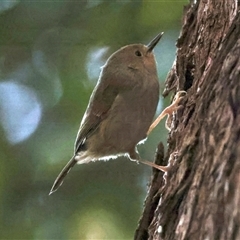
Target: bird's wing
x: 101, y: 101
x: 99, y: 105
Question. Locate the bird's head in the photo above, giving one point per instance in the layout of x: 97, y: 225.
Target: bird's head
x: 135, y: 57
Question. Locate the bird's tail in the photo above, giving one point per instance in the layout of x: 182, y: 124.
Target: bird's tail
x: 59, y: 180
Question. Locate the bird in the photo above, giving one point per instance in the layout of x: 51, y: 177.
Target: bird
x: 121, y: 109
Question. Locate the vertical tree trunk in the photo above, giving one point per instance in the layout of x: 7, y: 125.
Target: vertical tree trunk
x: 200, y: 198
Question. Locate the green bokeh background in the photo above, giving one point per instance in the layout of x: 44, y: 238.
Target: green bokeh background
x: 50, y: 56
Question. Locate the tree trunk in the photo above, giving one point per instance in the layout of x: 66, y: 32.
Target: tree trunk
x: 200, y: 196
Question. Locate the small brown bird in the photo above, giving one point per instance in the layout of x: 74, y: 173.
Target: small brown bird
x: 120, y: 110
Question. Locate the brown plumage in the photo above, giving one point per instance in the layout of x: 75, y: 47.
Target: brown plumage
x: 120, y: 110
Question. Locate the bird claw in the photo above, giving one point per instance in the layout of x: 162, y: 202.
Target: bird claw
x: 168, y: 110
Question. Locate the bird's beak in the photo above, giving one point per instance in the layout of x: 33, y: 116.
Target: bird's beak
x: 154, y: 42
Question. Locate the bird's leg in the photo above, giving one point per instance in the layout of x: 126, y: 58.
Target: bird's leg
x: 134, y: 156
x: 168, y: 111
x: 151, y: 164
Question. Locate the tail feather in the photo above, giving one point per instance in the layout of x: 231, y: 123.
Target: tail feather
x: 59, y: 180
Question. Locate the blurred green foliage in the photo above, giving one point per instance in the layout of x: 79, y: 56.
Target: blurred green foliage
x: 50, y: 57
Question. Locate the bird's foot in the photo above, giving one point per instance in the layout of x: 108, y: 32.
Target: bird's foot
x: 168, y: 111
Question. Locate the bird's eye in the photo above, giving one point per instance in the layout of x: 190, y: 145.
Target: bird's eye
x: 138, y: 53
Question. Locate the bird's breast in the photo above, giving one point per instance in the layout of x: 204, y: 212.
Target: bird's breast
x: 129, y: 118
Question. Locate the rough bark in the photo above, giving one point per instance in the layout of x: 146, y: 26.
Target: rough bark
x: 200, y: 198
